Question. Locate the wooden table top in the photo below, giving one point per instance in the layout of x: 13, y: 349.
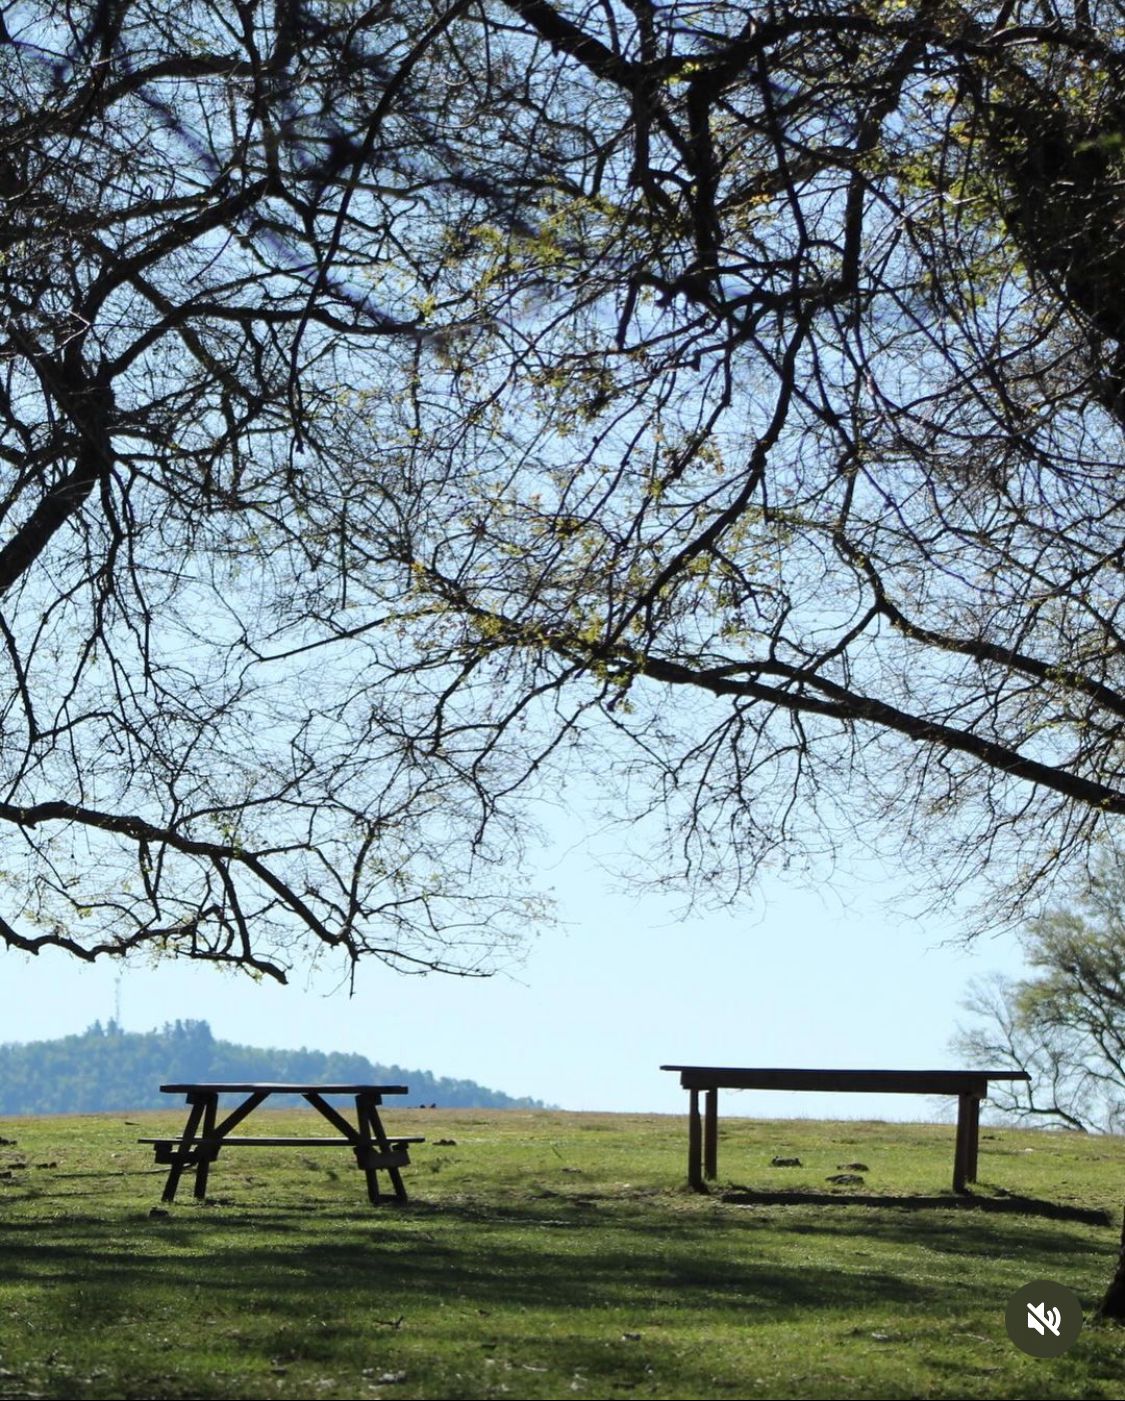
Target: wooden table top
x: 923, y: 1082
x: 274, y: 1088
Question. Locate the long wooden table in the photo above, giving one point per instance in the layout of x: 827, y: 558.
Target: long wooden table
x: 205, y: 1135
x: 968, y: 1086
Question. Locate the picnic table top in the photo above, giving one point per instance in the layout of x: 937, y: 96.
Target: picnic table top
x: 702, y: 1077
x: 276, y: 1088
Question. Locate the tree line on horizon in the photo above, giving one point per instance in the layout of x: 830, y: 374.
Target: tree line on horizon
x: 106, y: 1068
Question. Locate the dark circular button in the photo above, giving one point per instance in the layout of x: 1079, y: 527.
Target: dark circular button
x: 1043, y: 1318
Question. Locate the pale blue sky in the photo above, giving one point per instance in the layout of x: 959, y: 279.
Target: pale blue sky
x: 795, y: 977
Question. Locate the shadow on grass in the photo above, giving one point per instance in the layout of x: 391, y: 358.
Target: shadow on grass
x: 106, y: 1284
x: 531, y: 1254
x: 1007, y: 1205
x: 317, y: 1286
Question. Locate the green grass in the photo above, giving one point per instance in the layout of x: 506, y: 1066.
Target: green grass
x: 549, y: 1255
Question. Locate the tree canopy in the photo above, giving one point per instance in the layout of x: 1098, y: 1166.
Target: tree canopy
x: 403, y: 406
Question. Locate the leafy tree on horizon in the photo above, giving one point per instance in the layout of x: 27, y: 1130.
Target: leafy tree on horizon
x: 1065, y: 1023
x: 106, y: 1068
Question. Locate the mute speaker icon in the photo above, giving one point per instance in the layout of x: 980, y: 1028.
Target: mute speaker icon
x: 1041, y: 1318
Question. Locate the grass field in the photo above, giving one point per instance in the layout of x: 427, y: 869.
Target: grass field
x: 549, y: 1255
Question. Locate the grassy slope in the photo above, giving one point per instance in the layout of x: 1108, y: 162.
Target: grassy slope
x: 545, y: 1255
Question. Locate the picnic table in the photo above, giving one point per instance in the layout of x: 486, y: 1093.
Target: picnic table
x: 969, y: 1087
x: 205, y: 1135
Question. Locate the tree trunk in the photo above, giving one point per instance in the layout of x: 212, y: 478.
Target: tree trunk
x: 1113, y: 1304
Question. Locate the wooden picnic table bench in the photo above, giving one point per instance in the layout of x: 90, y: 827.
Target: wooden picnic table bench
x: 969, y: 1087
x: 205, y: 1135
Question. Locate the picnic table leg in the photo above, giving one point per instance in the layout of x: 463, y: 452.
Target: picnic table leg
x: 695, y: 1143
x: 372, y: 1133
x: 711, y: 1134
x: 366, y: 1142
x: 198, y: 1103
x: 963, y: 1168
x: 385, y: 1146
x: 204, y: 1165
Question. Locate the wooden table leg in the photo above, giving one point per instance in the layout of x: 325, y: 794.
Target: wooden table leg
x: 371, y: 1109
x: 695, y: 1143
x: 198, y: 1103
x: 962, y: 1169
x: 974, y: 1139
x: 363, y: 1151
x: 203, y: 1166
x: 711, y: 1134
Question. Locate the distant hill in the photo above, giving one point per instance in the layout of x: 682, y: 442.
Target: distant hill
x: 107, y: 1068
